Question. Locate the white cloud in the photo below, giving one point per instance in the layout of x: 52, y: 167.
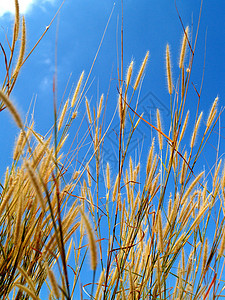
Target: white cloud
x: 8, y: 6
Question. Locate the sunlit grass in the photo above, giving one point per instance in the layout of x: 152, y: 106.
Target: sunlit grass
x: 147, y: 236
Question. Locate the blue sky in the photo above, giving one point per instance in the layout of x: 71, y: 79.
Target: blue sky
x: 148, y: 25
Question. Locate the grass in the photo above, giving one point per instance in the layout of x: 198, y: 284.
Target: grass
x: 147, y: 236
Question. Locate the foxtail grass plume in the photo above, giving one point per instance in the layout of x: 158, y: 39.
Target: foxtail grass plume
x: 19, y: 145
x: 160, y: 128
x: 184, y: 126
x: 88, y: 110
x: 62, y: 116
x: 17, y: 21
x: 183, y: 48
x: 212, y: 113
x: 205, y: 254
x: 12, y: 109
x: 75, y: 95
x: 193, y: 138
x: 192, y: 185
x: 35, y: 182
x: 141, y: 70
x: 168, y: 70
x: 100, y: 106
x: 91, y: 240
x: 129, y: 73
x: 53, y: 282
x: 22, y: 49
x: 222, y: 245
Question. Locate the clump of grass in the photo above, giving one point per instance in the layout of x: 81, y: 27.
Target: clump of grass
x: 147, y: 235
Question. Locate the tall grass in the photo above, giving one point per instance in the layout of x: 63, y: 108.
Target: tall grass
x: 152, y: 235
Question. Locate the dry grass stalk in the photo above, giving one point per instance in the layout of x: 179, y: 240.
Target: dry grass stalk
x: 160, y: 233
x: 140, y: 253
x: 100, y: 285
x: 27, y: 291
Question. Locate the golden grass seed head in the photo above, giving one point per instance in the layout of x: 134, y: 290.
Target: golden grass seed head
x: 6, y: 198
x: 222, y: 244
x: 199, y: 216
x: 35, y: 182
x: 183, y: 47
x: 150, y: 156
x: 22, y: 49
x: 205, y: 254
x: 168, y: 70
x: 150, y: 175
x: 193, y: 138
x: 63, y: 113
x: 77, y: 89
x: 53, y: 282
x: 160, y: 128
x: 184, y: 126
x: 17, y: 20
x: 192, y: 185
x: 212, y: 113
x: 100, y: 106
x: 141, y: 71
x: 11, y: 108
x: 41, y: 151
x: 129, y: 73
x: 18, y: 148
x: 88, y: 110
x: 108, y: 180
x: 18, y: 227
x: 75, y: 174
x: 115, y: 188
x: 91, y: 240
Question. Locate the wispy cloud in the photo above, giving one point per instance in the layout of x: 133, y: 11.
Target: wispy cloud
x: 7, y: 6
